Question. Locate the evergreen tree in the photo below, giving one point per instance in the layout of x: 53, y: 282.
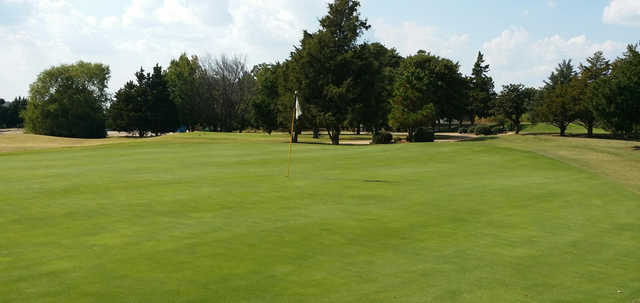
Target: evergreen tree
x: 561, y: 105
x: 481, y: 92
x: 598, y: 67
x: 618, y: 96
x: 164, y: 112
x: 145, y: 106
x: 374, y: 70
x: 326, y: 64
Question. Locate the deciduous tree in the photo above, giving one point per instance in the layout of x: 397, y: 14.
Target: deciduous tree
x: 512, y: 103
x: 69, y: 101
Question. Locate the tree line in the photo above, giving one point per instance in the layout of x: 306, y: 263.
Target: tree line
x: 10, y: 112
x: 341, y: 82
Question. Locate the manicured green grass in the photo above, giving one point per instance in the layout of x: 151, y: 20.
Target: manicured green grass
x: 211, y: 218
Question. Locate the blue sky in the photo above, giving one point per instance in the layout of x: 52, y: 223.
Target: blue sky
x: 522, y: 40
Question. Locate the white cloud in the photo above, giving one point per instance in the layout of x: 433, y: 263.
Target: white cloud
x: 175, y: 11
x: 623, y: 12
x: 551, y: 3
x: 516, y: 58
x: 410, y: 37
x: 146, y: 32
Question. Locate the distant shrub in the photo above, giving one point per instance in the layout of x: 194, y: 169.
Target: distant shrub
x: 497, y: 129
x: 463, y: 130
x: 423, y: 134
x: 383, y: 137
x: 483, y: 130
x: 472, y: 129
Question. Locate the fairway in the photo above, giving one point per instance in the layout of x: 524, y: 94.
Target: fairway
x: 211, y: 218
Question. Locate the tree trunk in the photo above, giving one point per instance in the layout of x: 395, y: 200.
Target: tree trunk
x: 590, y: 130
x: 409, y: 134
x: 563, y: 130
x: 334, y: 134
x: 295, y: 137
x: 358, y: 130
x: 316, y: 133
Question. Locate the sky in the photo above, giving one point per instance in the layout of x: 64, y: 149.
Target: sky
x: 522, y: 40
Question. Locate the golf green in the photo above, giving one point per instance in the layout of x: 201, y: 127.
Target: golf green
x: 212, y: 218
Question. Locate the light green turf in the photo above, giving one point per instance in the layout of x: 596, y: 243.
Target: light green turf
x: 546, y: 128
x: 210, y: 218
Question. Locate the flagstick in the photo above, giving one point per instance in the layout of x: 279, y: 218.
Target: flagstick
x: 293, y: 130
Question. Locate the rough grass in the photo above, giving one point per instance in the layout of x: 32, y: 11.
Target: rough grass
x: 211, y: 217
x: 14, y: 142
x: 616, y: 159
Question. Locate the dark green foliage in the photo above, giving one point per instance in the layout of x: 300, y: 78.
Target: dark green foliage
x: 427, y: 88
x: 10, y: 113
x: 374, y: 67
x: 184, y: 78
x: 481, y: 91
x: 326, y: 63
x: 512, y: 103
x: 498, y: 129
x: 69, y: 101
x: 560, y: 105
x: 422, y: 134
x: 483, y: 130
x: 264, y: 104
x: 382, y: 137
x: 583, y: 87
x: 472, y: 129
x: 617, y: 97
x: 145, y: 106
x: 463, y: 130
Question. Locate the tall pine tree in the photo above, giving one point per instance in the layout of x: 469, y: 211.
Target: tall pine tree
x: 482, y: 90
x: 326, y: 60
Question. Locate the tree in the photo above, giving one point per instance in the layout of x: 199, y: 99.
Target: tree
x: 617, y: 97
x: 598, y: 67
x: 69, y: 101
x: 374, y: 70
x: 481, y: 91
x: 264, y: 104
x: 128, y: 112
x: 183, y: 76
x: 560, y: 106
x: 426, y: 88
x: 144, y: 106
x: 14, y: 111
x: 3, y: 113
x: 325, y: 62
x: 163, y: 111
x: 234, y: 85
x: 512, y: 103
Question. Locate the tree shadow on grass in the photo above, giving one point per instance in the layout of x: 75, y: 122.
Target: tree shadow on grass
x: 584, y: 136
x: 329, y: 144
x: 451, y: 137
x: 480, y: 139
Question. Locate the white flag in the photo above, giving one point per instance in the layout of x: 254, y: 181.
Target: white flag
x: 298, y: 109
